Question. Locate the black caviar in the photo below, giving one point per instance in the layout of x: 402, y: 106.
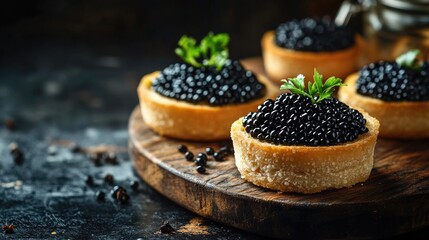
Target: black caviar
x: 389, y: 81
x: 233, y: 84
x: 294, y: 120
x: 314, y: 35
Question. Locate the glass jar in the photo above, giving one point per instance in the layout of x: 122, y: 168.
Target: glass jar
x: 391, y: 27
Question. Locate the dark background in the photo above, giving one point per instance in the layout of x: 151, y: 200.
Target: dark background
x: 68, y: 74
x: 148, y: 29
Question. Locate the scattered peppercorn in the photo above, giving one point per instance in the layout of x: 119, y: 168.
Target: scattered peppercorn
x: 74, y: 148
x: 189, y: 156
x: 134, y: 185
x: 10, y: 123
x: 120, y: 194
x: 182, y: 148
x: 95, y: 158
x: 89, y: 180
x: 111, y: 158
x: 100, y: 195
x: 201, y: 169
x: 109, y: 179
x: 199, y: 161
x: 218, y: 156
x: 17, y: 155
x: 114, y: 190
x: 8, y: 229
x: 209, y: 151
x: 166, y: 228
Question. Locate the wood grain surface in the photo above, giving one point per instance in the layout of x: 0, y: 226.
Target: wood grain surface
x: 394, y: 200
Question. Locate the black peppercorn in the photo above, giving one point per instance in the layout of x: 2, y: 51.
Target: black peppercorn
x: 89, y: 180
x: 17, y: 155
x: 182, y: 148
x: 209, y: 151
x: 134, y: 185
x: 109, y: 179
x: 111, y: 158
x: 114, y: 190
x: 218, y: 156
x: 122, y: 196
x: 95, y: 158
x: 100, y: 195
x: 8, y: 229
x: 201, y: 169
x: 189, y: 156
x: 166, y: 228
x: 74, y: 148
x: 9, y: 123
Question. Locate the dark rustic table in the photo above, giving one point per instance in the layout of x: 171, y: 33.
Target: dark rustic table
x: 63, y: 94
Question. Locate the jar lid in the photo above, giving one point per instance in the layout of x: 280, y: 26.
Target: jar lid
x: 407, y: 5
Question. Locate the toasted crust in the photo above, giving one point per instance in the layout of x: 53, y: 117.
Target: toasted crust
x: 304, y: 169
x: 283, y: 63
x: 182, y: 120
x: 401, y: 120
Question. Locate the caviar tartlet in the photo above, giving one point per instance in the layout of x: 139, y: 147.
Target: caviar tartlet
x: 396, y: 93
x: 200, y: 99
x: 300, y: 45
x: 305, y: 142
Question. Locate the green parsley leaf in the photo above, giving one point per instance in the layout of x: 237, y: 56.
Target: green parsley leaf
x: 211, y: 52
x: 316, y: 91
x: 409, y: 60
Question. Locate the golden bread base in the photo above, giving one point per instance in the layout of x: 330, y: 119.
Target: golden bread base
x: 281, y: 63
x: 183, y: 120
x: 304, y: 169
x: 401, y: 120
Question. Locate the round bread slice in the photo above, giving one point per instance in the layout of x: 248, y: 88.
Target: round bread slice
x: 304, y: 169
x: 283, y: 63
x: 183, y: 120
x: 401, y: 120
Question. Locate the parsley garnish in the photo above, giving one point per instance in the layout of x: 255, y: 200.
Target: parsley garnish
x: 211, y: 52
x: 409, y: 60
x: 316, y: 91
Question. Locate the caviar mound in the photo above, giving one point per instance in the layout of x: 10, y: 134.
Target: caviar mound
x: 304, y: 169
x: 398, y: 119
x: 294, y: 120
x: 232, y: 84
x: 389, y: 81
x: 188, y: 121
x: 313, y: 35
x: 281, y: 63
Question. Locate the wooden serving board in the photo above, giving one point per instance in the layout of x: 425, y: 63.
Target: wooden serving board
x: 394, y: 200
